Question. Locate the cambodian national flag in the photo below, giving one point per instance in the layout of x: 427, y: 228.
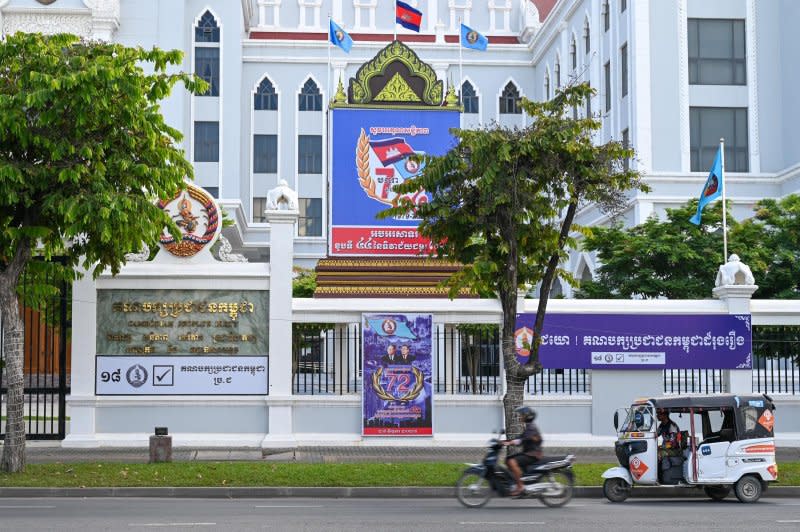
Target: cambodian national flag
x: 407, y: 16
x: 712, y: 189
x: 391, y: 150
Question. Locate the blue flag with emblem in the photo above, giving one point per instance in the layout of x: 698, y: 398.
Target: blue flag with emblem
x: 340, y: 38
x: 472, y: 39
x: 712, y: 189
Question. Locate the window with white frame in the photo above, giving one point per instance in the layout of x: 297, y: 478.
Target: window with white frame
x: 607, y: 76
x: 259, y: 206
x: 623, y: 70
x: 309, y: 13
x: 365, y: 13
x: 573, y: 53
x: 606, y: 16
x: 309, y: 154
x: 547, y: 85
x: 459, y: 12
x: 206, y: 52
x: 717, y: 52
x: 309, y: 98
x: 269, y: 13
x: 626, y: 143
x: 469, y: 98
x: 587, y: 37
x: 265, y: 154
x: 206, y: 142
x: 309, y: 221
x: 557, y: 72
x: 265, y: 98
x: 707, y: 125
x: 499, y: 15
x: 509, y: 100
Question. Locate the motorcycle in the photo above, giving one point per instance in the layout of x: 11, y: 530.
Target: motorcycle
x: 551, y: 479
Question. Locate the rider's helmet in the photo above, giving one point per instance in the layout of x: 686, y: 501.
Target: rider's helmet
x: 526, y: 413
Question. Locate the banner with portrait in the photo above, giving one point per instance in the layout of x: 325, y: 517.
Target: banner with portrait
x: 397, y: 397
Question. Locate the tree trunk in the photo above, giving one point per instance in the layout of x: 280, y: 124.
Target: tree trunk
x: 13, y: 459
x: 515, y: 393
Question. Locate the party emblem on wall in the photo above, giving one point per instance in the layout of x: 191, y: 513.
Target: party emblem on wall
x: 195, y: 213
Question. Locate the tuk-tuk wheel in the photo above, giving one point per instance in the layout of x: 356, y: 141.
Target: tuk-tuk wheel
x: 717, y: 493
x: 748, y: 489
x: 616, y: 489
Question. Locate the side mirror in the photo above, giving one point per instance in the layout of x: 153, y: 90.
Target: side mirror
x: 616, y: 421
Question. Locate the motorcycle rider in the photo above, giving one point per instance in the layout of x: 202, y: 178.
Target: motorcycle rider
x: 531, y: 441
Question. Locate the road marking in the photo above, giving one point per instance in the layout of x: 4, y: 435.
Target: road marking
x: 788, y: 521
x: 27, y: 507
x: 288, y: 506
x: 501, y: 523
x: 171, y: 524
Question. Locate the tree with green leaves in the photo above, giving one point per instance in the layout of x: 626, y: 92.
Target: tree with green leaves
x: 504, y: 203
x: 84, y: 154
x: 676, y: 259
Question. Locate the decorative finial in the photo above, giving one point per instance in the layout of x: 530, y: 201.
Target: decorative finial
x: 340, y: 96
x: 452, y: 98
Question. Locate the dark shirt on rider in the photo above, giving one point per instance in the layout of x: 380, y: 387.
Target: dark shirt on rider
x: 531, y: 440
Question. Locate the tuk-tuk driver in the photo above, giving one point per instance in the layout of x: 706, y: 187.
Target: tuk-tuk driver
x: 670, y: 435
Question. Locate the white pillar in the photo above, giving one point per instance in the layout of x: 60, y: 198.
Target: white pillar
x: 81, y: 400
x: 281, y: 255
x: 737, y: 298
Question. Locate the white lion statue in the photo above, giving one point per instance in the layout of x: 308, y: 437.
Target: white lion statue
x: 734, y: 272
x: 282, y: 198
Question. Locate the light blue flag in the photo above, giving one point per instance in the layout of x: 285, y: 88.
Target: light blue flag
x: 340, y: 38
x: 391, y: 327
x: 712, y: 189
x: 472, y: 39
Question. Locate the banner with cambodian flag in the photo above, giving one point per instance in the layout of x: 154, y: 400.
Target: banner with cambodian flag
x: 407, y: 16
x: 372, y: 151
x: 397, y: 397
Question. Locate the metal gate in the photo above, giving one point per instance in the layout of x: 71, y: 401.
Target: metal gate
x: 45, y: 367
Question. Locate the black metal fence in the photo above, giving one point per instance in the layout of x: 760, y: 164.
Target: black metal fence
x: 466, y: 360
x: 45, y: 364
x: 705, y: 381
x: 776, y: 367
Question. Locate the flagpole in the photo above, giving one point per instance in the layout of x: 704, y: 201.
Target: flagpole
x: 724, y: 206
x: 395, y: 20
x: 328, y: 70
x: 460, y: 65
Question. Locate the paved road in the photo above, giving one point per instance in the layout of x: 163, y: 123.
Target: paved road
x: 417, y: 515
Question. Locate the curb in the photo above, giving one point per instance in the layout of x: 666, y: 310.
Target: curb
x: 340, y: 492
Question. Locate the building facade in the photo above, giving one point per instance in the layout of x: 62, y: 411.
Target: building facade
x: 672, y: 78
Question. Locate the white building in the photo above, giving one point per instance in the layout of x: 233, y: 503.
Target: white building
x: 672, y: 77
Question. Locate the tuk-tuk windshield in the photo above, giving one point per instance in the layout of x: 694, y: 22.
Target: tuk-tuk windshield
x: 640, y: 419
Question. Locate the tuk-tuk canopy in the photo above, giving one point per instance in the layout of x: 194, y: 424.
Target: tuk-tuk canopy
x: 683, y: 403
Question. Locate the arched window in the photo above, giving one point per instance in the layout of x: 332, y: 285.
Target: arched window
x: 587, y: 37
x: 469, y: 99
x: 573, y: 53
x: 547, y: 85
x: 557, y: 72
x: 310, y: 98
x: 509, y: 100
x: 207, y: 29
x: 265, y: 98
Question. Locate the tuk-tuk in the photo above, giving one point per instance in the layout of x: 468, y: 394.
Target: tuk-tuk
x: 724, y: 442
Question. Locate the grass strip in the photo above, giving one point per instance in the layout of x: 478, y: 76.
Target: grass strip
x: 255, y: 474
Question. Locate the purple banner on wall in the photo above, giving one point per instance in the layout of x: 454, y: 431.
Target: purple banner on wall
x: 397, y: 398
x: 635, y: 341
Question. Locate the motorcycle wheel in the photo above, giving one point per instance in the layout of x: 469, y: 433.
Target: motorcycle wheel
x: 717, y: 493
x: 616, y: 489
x: 561, y: 493
x: 472, y: 490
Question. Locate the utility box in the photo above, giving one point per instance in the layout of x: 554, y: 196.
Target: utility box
x: 160, y: 446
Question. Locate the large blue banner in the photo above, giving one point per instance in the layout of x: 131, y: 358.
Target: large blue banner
x: 398, y: 367
x: 371, y: 153
x: 637, y: 341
